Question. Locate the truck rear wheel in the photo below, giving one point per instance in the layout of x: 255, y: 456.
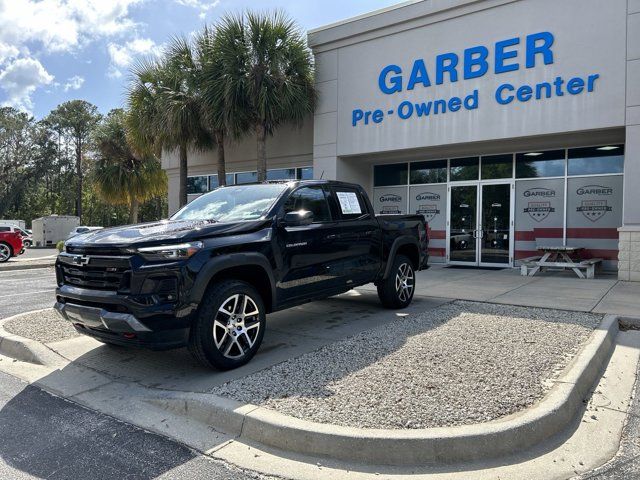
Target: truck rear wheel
x: 396, y: 291
x: 229, y: 327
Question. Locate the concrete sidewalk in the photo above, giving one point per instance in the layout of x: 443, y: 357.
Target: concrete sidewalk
x: 559, y: 290
x: 31, y: 258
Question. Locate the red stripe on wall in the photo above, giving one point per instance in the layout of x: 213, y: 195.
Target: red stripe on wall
x: 519, y: 254
x: 532, y: 235
x: 437, y: 252
x: 606, y: 233
x: 437, y: 234
x: 586, y: 253
x: 600, y: 233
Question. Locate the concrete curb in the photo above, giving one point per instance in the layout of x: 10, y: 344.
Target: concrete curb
x: 25, y: 349
x: 25, y: 265
x: 410, y: 447
x: 433, y: 446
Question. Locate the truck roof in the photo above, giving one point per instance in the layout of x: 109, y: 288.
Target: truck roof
x: 304, y: 182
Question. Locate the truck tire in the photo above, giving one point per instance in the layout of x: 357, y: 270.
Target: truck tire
x: 229, y: 326
x: 6, y: 252
x: 396, y: 291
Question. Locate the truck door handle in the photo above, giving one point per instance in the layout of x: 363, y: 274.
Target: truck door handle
x: 331, y: 237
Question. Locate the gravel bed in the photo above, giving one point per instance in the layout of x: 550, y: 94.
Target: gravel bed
x: 46, y: 326
x: 461, y: 363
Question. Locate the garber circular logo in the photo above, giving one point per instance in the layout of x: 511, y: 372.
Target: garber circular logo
x: 428, y: 196
x: 390, y: 197
x: 539, y: 192
x: 594, y: 190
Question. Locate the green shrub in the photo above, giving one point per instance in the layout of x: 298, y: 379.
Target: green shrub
x: 60, y: 245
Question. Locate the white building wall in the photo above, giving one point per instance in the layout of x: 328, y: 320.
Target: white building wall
x: 629, y: 246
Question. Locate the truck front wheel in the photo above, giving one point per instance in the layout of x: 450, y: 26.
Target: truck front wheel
x: 229, y: 327
x: 396, y: 291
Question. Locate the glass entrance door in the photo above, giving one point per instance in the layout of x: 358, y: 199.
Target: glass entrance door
x: 480, y: 226
x: 463, y: 224
x: 494, y: 234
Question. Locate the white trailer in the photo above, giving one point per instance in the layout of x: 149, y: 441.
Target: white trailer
x: 15, y: 223
x: 49, y: 230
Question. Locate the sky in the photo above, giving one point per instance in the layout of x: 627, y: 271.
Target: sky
x: 52, y: 51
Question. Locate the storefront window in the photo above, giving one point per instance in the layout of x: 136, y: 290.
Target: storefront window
x: 394, y: 174
x: 246, y: 177
x: 197, y: 184
x: 434, y: 171
x: 464, y: 169
x: 596, y: 160
x: 497, y: 166
x: 213, y: 180
x: 305, y: 173
x: 540, y: 164
x: 281, y: 174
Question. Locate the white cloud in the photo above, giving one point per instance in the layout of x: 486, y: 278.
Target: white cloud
x: 7, y: 52
x: 73, y: 83
x: 123, y: 55
x: 202, y: 5
x: 62, y: 25
x: 20, y: 78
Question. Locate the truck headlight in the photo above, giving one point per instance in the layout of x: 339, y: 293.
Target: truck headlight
x: 171, y: 252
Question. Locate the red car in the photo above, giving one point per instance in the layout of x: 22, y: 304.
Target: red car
x: 10, y: 245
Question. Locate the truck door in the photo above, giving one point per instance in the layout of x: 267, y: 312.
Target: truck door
x: 359, y: 237
x: 310, y: 258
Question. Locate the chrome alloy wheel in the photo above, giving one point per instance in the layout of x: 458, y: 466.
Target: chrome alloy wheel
x: 404, y: 282
x: 5, y: 253
x: 236, y: 326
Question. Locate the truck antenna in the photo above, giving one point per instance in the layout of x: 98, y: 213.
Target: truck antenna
x: 322, y: 175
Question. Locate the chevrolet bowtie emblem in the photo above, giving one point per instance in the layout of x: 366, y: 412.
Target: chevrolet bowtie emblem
x: 80, y: 260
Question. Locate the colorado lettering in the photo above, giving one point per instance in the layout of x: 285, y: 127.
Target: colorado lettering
x: 473, y: 63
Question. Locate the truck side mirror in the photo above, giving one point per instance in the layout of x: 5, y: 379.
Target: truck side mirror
x: 298, y: 218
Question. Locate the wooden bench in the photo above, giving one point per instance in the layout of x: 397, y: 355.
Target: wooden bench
x: 557, y: 257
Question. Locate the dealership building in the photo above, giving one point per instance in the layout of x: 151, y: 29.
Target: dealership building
x: 508, y: 124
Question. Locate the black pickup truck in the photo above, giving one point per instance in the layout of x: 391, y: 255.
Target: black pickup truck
x: 207, y: 277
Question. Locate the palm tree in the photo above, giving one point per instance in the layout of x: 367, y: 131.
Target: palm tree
x: 221, y: 114
x: 121, y: 174
x: 267, y: 71
x: 166, y: 106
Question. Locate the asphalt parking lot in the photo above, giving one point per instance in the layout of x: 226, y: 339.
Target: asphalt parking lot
x: 26, y: 290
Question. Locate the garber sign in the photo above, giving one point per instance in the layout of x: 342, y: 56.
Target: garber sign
x: 472, y: 63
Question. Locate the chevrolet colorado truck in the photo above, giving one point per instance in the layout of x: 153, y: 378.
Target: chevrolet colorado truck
x: 207, y: 277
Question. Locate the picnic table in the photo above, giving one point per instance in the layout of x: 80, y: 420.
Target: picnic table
x: 559, y: 257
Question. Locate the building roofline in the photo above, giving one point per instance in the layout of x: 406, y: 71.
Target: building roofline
x: 373, y: 13
x: 408, y: 14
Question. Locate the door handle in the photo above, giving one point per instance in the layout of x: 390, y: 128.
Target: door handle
x: 331, y: 237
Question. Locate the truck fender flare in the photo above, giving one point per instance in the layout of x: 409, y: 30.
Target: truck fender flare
x: 397, y: 243
x: 215, y: 265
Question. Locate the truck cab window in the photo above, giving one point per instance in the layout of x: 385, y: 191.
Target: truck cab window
x: 311, y: 199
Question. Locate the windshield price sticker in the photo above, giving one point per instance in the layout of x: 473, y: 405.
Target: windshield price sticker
x: 349, y: 203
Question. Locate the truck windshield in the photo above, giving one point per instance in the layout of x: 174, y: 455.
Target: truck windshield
x: 232, y: 204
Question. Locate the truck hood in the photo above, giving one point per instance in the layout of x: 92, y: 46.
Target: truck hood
x: 161, y: 232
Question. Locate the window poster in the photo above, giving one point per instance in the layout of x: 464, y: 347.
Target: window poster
x: 390, y: 200
x: 594, y: 214
x: 539, y: 215
x: 431, y: 202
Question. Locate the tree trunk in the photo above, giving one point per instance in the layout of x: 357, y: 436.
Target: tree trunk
x: 222, y: 167
x: 79, y: 184
x: 182, y: 192
x: 261, y: 136
x: 133, y: 210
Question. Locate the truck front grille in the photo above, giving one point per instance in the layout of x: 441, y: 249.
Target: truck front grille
x: 98, y: 272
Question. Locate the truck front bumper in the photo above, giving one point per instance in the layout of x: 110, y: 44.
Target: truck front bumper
x: 120, y: 328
